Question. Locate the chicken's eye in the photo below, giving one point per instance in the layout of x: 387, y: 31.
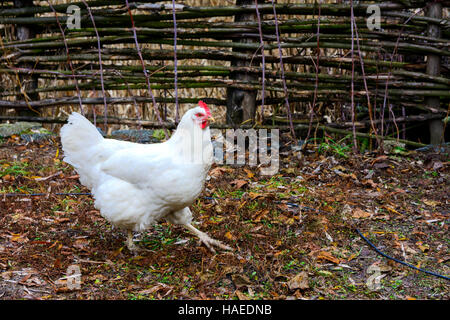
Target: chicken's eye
x: 199, y: 115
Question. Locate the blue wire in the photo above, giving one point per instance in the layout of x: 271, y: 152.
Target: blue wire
x: 374, y: 247
x: 44, y: 194
x: 378, y: 250
x: 399, y: 261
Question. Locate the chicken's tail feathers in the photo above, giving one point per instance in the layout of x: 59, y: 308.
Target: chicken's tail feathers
x: 78, y: 135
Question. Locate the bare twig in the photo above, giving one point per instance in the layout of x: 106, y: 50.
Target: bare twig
x: 352, y: 93
x: 394, y: 53
x: 280, y: 52
x: 316, y: 83
x: 263, y: 62
x: 361, y: 60
x: 99, y: 46
x: 175, y: 61
x: 69, y: 61
x: 147, y: 78
x: 136, y: 107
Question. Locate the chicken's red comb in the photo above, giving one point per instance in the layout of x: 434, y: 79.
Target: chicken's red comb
x: 205, y: 107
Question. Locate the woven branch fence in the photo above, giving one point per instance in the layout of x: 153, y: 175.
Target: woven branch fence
x: 360, y: 69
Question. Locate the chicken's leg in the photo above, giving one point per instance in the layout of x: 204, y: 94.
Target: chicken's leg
x: 130, y: 244
x: 207, y: 240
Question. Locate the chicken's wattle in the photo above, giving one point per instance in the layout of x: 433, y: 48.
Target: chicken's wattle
x: 204, y: 123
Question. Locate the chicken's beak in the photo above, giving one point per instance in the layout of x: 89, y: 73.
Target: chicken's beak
x: 211, y: 119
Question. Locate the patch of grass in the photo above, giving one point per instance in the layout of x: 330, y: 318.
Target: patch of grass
x: 294, y: 265
x: 132, y: 296
x: 430, y: 174
x: 159, y: 134
x: 253, y: 205
x: 15, y: 169
x: 219, y: 193
x: 397, y: 283
x: 328, y: 145
x: 161, y: 238
x: 237, y: 194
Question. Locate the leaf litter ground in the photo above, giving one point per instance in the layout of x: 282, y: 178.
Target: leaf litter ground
x: 283, y: 247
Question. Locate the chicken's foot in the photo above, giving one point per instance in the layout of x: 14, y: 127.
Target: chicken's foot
x: 130, y: 243
x: 207, y: 240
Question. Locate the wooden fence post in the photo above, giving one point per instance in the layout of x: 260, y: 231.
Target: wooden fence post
x: 241, y: 104
x: 27, y: 82
x: 434, y: 69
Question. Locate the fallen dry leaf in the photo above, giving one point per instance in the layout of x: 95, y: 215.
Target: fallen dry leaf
x: 249, y: 173
x: 238, y: 183
x: 240, y: 280
x: 423, y: 247
x: 378, y: 159
x: 369, y: 182
x: 218, y: 171
x: 390, y: 209
x: 260, y: 214
x: 431, y: 203
x: 254, y: 195
x: 300, y: 281
x: 358, y: 213
x: 8, y: 177
x: 328, y: 256
x: 339, y: 167
x: 379, y: 267
x: 229, y: 236
x: 382, y: 165
x: 154, y: 289
x: 20, y: 238
x: 444, y: 259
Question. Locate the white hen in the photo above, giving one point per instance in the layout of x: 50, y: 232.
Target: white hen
x: 136, y: 185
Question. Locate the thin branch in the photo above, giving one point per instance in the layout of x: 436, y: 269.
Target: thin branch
x: 175, y: 61
x: 136, y: 107
x: 263, y: 61
x: 352, y: 93
x: 316, y: 83
x: 147, y: 78
x: 69, y: 61
x: 361, y: 60
x: 280, y: 52
x: 99, y: 46
x: 394, y: 53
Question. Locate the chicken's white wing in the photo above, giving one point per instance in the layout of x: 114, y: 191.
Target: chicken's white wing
x: 141, y: 165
